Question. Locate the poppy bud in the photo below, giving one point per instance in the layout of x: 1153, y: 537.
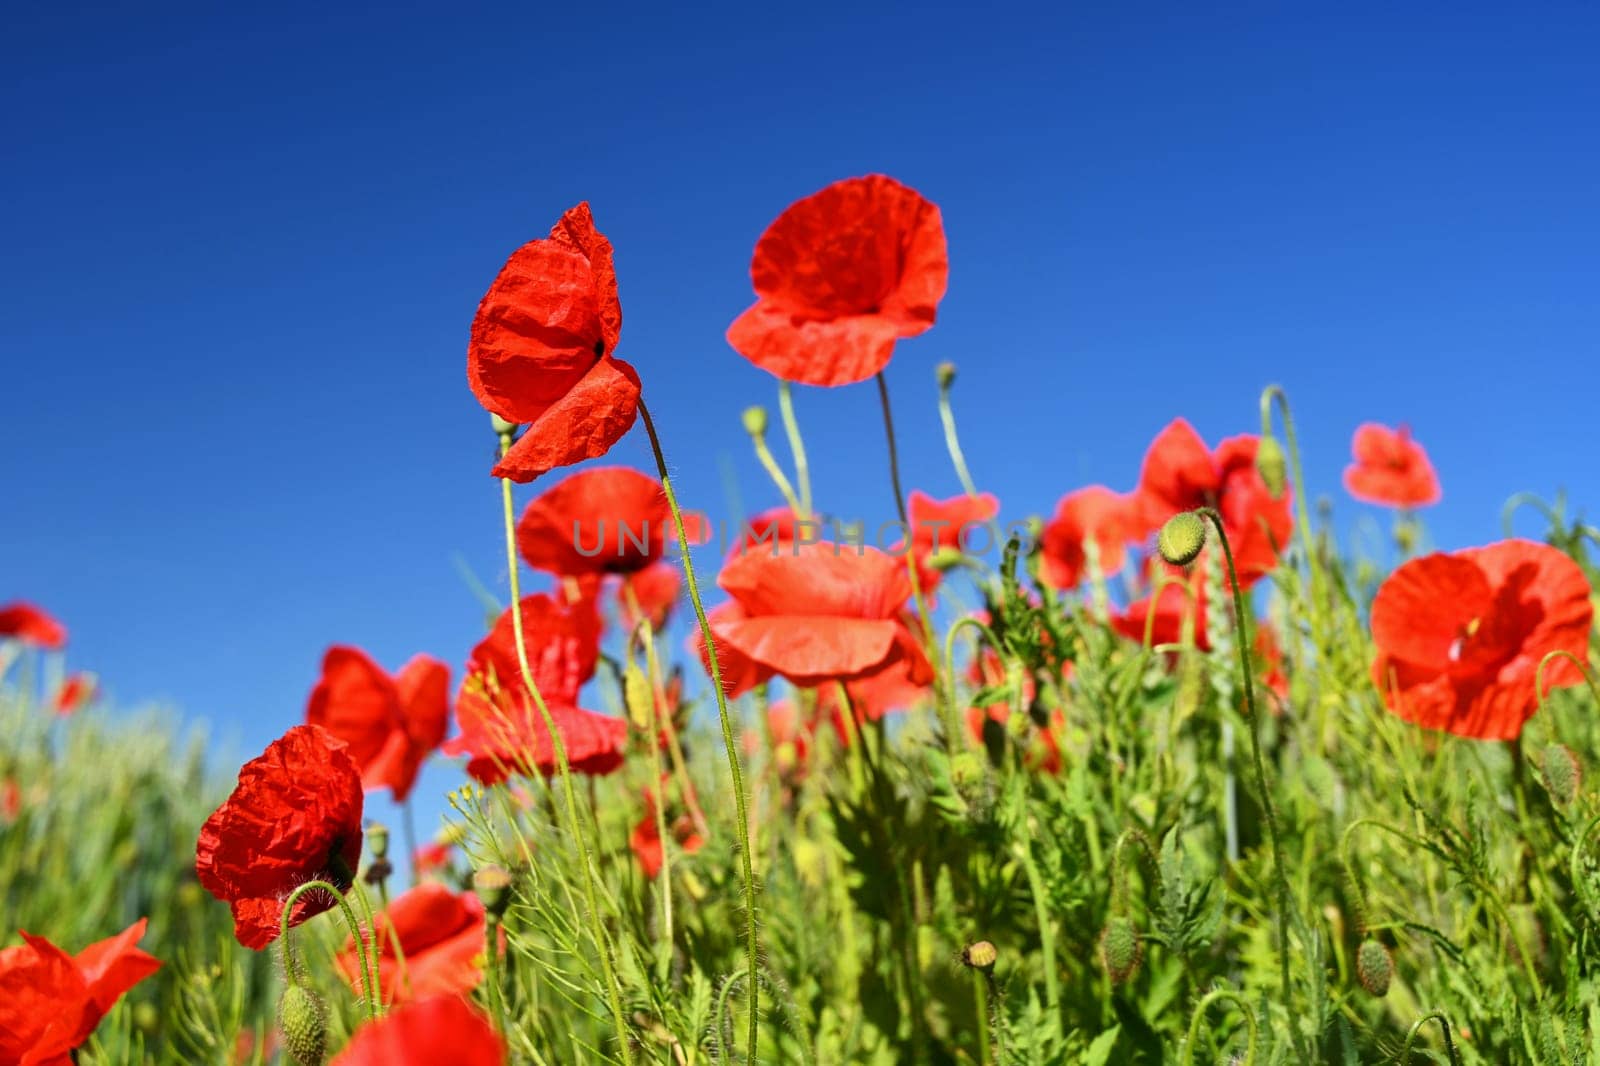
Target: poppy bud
x: 980, y: 956
x: 1271, y: 466
x: 493, y: 886
x: 636, y: 696
x: 1563, y: 773
x: 966, y: 771
x: 501, y: 426
x: 946, y: 558
x: 1374, y: 967
x: 1121, y: 949
x: 378, y: 840
x: 303, y: 1020
x: 1181, y: 538
x: 945, y: 373
x: 755, y: 420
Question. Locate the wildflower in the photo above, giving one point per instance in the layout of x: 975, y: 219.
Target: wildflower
x: 76, y: 692
x: 1181, y: 538
x: 441, y: 935
x: 294, y: 817
x: 646, y: 838
x: 649, y: 593
x: 29, y: 624
x: 389, y: 725
x: 50, y: 1002
x: 941, y: 526
x: 1165, y: 612
x: 428, y: 1031
x: 1390, y: 468
x: 502, y: 730
x: 740, y: 672
x: 839, y: 277
x: 605, y: 520
x: 1093, y: 514
x: 1121, y: 949
x: 1460, y: 636
x: 542, y: 348
x: 1181, y: 474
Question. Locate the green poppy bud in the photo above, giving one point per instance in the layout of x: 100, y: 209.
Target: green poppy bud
x: 966, y: 771
x: 1563, y: 773
x: 493, y: 886
x: 303, y: 1021
x: 980, y: 956
x: 1121, y: 949
x: 502, y: 428
x: 755, y: 420
x: 1271, y: 466
x: 1181, y: 538
x: 378, y: 840
x: 945, y: 373
x: 1374, y: 967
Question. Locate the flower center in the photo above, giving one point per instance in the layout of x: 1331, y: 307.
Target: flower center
x: 1467, y: 632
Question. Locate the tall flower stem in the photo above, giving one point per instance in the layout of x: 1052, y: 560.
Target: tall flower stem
x: 658, y: 771
x: 1216, y: 996
x: 947, y: 375
x: 1444, y: 1027
x: 564, y: 771
x: 369, y: 980
x: 928, y: 641
x: 797, y: 447
x: 729, y: 743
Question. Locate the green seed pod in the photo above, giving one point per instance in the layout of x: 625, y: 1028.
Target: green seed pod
x: 501, y: 426
x: 945, y: 374
x: 1272, y: 467
x: 1121, y: 949
x: 1181, y: 538
x: 1563, y: 773
x: 755, y: 420
x: 980, y: 956
x: 303, y: 1021
x: 1374, y: 967
x: 493, y: 886
x: 378, y: 840
x: 636, y: 695
x: 966, y: 771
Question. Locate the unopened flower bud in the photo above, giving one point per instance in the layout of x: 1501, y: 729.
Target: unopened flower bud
x: 755, y: 420
x: 946, y: 558
x: 1121, y: 949
x: 493, y: 886
x: 966, y: 771
x: 501, y: 426
x: 1374, y: 967
x: 1271, y: 466
x: 980, y: 956
x: 1563, y: 773
x: 378, y: 840
x: 303, y: 1021
x: 1181, y: 538
x: 945, y: 374
x: 636, y: 696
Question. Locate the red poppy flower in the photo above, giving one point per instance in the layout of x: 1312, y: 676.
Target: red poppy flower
x: 608, y: 520
x: 1109, y: 519
x: 541, y: 350
x: 939, y: 526
x: 30, y: 625
x: 740, y: 673
x: 441, y: 937
x: 424, y: 1033
x: 432, y: 856
x: 768, y: 531
x: 649, y: 593
x: 501, y: 728
x: 294, y: 817
x: 1269, y: 662
x: 1166, y: 612
x: 901, y: 685
x: 1181, y: 474
x: 1460, y: 635
x: 1390, y: 468
x: 839, y: 277
x: 51, y: 1001
x: 646, y: 838
x: 389, y: 725
x: 75, y: 693
x: 816, y: 614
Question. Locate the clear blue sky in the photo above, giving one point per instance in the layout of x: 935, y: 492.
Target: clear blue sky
x: 241, y: 253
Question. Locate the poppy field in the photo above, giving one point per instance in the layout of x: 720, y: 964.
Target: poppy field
x: 1151, y: 773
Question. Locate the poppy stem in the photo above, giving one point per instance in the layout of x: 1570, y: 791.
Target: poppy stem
x: 394, y: 941
x: 1216, y: 996
x: 1243, y: 645
x: 658, y: 772
x: 797, y: 447
x: 769, y: 463
x: 1444, y: 1028
x: 369, y: 983
x: 729, y: 743
x: 952, y: 442
x: 952, y: 712
x: 564, y: 771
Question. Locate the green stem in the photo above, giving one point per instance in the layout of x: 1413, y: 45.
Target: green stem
x: 797, y: 448
x: 1444, y: 1027
x: 1215, y: 996
x: 729, y: 742
x: 491, y: 970
x: 369, y: 984
x: 775, y: 472
x: 564, y: 771
x: 980, y: 988
x: 1041, y: 910
x: 952, y: 712
x: 652, y: 668
x: 951, y: 441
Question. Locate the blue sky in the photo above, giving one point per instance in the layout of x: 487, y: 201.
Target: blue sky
x: 241, y: 256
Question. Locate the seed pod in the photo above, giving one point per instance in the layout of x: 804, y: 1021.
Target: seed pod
x: 1563, y: 773
x: 1271, y: 466
x: 1181, y: 538
x: 980, y: 956
x: 378, y: 840
x: 755, y: 420
x: 1121, y: 949
x: 303, y: 1021
x: 1374, y: 967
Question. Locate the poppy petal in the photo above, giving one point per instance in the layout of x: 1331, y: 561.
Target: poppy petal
x: 595, y: 412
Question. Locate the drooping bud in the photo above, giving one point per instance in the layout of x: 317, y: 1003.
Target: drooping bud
x: 755, y: 420
x: 1121, y: 949
x: 945, y: 558
x: 945, y: 374
x: 1374, y: 967
x: 1272, y: 467
x: 980, y: 956
x: 1563, y: 773
x: 493, y: 886
x: 303, y: 1021
x: 1181, y: 538
x: 378, y: 840
x: 637, y: 697
x: 501, y: 426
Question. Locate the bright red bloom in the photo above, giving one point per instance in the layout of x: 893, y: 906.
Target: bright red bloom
x: 501, y: 727
x: 1181, y: 474
x: 1460, y: 635
x: 294, y: 817
x: 75, y: 693
x: 389, y: 725
x: 424, y: 1033
x: 1269, y: 662
x: 1172, y: 605
x: 649, y: 593
x: 646, y: 838
x: 901, y: 685
x: 947, y: 525
x: 740, y: 673
x: 27, y: 623
x: 1109, y: 519
x: 768, y: 531
x: 541, y: 350
x: 608, y: 520
x: 441, y: 937
x: 816, y: 614
x: 1390, y: 468
x: 50, y: 1002
x: 839, y: 277
x: 434, y: 855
